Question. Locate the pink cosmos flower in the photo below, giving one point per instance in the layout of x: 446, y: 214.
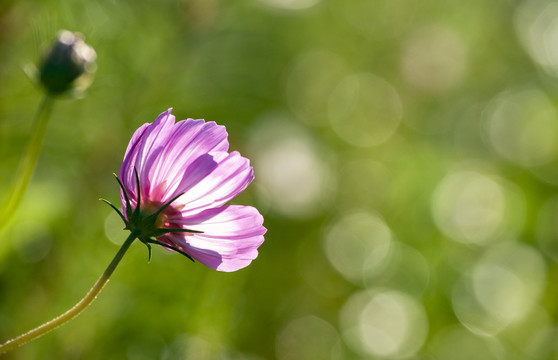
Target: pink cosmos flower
x: 184, y: 175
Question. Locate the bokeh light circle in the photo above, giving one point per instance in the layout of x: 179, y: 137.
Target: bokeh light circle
x: 308, y: 337
x: 292, y: 169
x: 113, y: 228
x: 290, y: 4
x: 365, y: 110
x: 384, y: 323
x: 509, y: 279
x: 434, y: 59
x: 357, y: 243
x: 522, y: 126
x: 537, y: 26
x: 502, y: 288
x: 471, y: 206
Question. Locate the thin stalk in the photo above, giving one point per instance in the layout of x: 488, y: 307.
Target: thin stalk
x: 77, y: 308
x: 27, y: 163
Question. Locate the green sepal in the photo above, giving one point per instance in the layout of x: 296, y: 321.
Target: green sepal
x: 153, y: 241
x: 138, y: 223
x: 115, y: 209
x: 149, y: 252
x: 163, y: 231
x: 128, y: 205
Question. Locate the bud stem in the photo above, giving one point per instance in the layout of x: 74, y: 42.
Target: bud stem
x: 77, y: 308
x: 27, y: 163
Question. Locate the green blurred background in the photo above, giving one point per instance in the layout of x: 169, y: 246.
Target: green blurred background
x: 406, y: 161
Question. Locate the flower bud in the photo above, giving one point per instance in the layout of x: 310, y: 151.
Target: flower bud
x: 69, y: 64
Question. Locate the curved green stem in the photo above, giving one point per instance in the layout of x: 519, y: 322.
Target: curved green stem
x: 76, y: 309
x: 27, y: 163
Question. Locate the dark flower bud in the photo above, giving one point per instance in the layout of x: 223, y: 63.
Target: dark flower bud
x: 68, y: 65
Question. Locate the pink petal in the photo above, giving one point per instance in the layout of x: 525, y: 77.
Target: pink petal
x: 132, y: 150
x: 231, y: 175
x: 190, y: 140
x: 230, y: 239
x: 164, y: 154
x: 126, y: 169
x: 147, y: 140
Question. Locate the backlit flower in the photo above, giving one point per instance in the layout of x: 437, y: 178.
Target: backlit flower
x: 187, y: 166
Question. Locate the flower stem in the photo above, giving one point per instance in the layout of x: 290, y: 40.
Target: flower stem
x: 27, y: 163
x: 77, y: 308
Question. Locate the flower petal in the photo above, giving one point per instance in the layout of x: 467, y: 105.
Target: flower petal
x: 190, y: 140
x: 232, y: 174
x: 230, y: 239
x: 148, y: 139
x: 127, y: 166
x: 163, y: 153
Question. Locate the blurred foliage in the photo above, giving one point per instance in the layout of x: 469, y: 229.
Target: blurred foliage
x: 406, y: 161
